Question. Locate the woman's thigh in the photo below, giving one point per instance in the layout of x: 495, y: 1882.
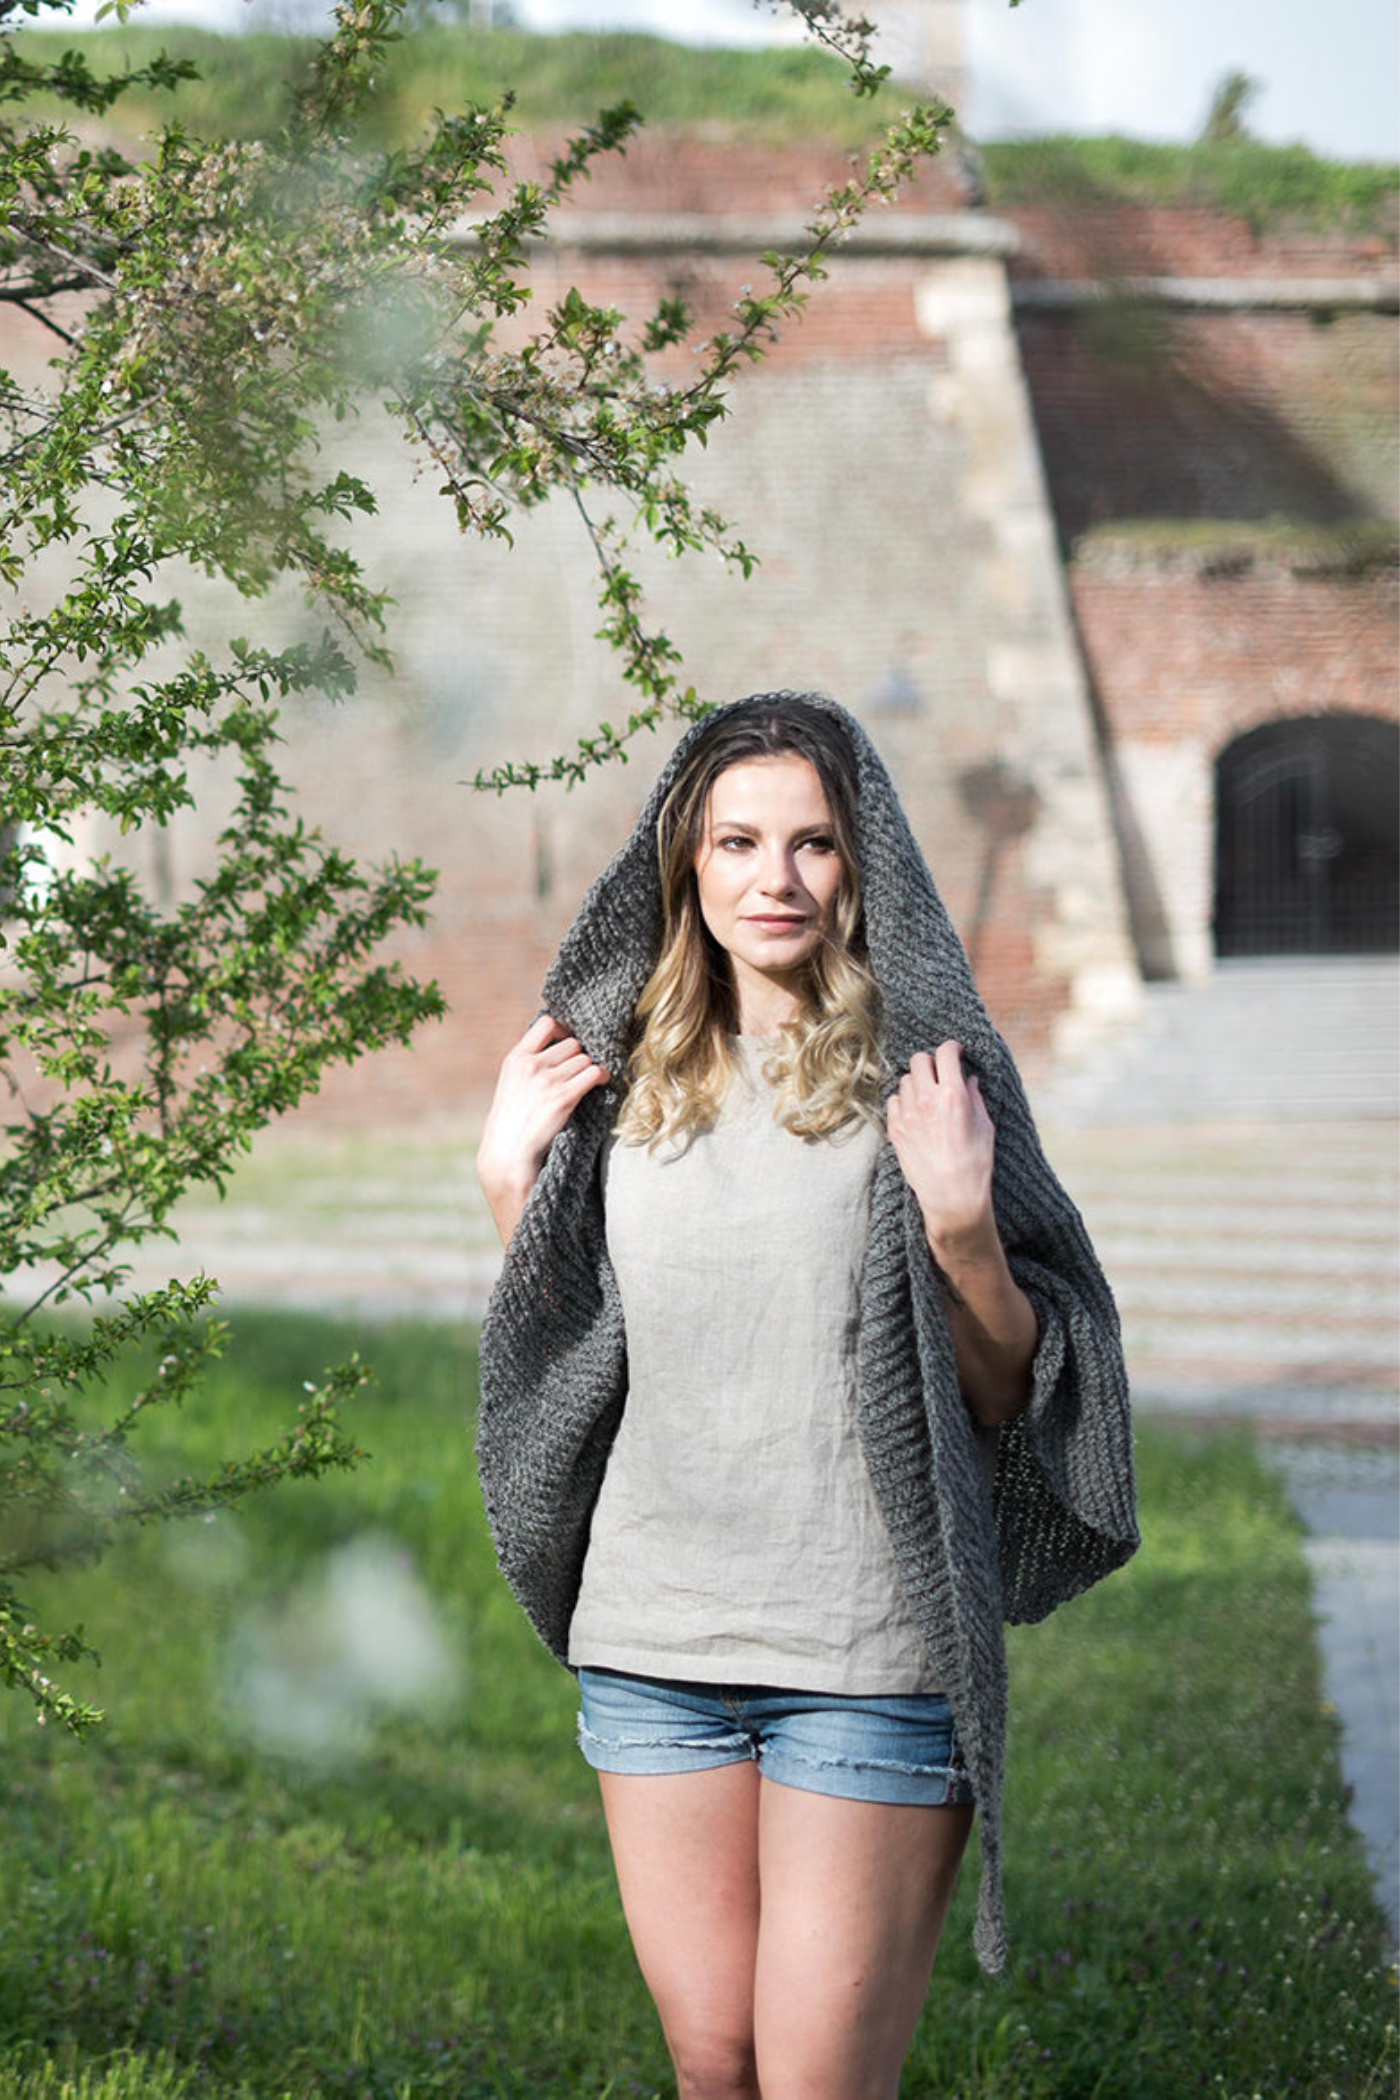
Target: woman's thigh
x: 854, y: 1896
x: 685, y: 1846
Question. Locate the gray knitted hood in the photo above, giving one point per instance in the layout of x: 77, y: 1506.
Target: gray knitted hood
x: 977, y: 1544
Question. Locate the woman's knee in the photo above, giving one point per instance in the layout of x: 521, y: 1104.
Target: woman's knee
x: 712, y: 2064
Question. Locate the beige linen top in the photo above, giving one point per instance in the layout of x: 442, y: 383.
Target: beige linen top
x: 736, y: 1538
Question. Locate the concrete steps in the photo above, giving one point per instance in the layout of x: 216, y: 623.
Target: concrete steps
x: 1235, y: 1157
x: 1309, y: 1039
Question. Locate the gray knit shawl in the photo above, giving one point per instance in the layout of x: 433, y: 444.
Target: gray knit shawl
x: 553, y: 1349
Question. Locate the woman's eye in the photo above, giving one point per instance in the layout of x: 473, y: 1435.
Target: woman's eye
x: 822, y: 845
x: 727, y: 845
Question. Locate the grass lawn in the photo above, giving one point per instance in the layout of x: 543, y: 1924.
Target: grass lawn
x: 335, y: 1840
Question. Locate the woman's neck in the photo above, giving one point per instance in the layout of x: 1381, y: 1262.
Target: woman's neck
x: 765, y: 1005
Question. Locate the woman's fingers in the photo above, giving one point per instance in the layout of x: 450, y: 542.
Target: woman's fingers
x: 588, y: 1076
x: 948, y: 1064
x: 566, y: 1061
x: 560, y: 1055
x: 543, y: 1029
x: 921, y: 1074
x: 930, y: 1070
x: 561, y: 1077
x: 541, y: 1082
x: 546, y: 1046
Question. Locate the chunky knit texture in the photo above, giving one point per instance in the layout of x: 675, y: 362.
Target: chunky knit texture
x: 553, y: 1350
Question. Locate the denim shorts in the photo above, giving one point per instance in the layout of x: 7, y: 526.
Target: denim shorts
x: 896, y: 1748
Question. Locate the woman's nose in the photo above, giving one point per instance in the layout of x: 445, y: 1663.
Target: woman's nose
x: 779, y: 875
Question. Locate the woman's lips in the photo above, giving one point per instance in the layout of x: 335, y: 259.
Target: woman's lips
x: 775, y: 921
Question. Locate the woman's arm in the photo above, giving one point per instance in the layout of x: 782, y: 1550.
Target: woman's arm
x: 541, y: 1082
x: 945, y: 1143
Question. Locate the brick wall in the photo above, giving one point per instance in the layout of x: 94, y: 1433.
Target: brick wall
x: 1185, y: 656
x: 1179, y: 651
x: 1143, y: 413
x: 866, y: 309
x: 1106, y: 241
x: 1146, y: 413
x: 685, y: 172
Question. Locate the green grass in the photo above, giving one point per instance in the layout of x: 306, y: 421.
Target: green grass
x: 1268, y: 185
x: 557, y: 81
x: 423, y: 1904
x: 1360, y: 547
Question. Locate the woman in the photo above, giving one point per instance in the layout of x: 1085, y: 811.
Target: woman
x: 779, y: 1419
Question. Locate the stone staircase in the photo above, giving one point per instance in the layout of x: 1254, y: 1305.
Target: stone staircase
x: 1306, y: 1039
x: 1236, y: 1162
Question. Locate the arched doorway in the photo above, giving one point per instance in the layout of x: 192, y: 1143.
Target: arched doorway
x: 1307, y: 838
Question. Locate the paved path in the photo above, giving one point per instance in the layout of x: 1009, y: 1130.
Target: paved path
x: 1236, y: 1160
x: 1255, y: 1265
x: 1350, y: 1501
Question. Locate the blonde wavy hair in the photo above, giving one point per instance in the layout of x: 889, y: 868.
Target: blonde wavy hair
x: 828, y: 1066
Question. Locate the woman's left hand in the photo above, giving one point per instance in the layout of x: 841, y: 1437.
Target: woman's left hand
x: 945, y: 1144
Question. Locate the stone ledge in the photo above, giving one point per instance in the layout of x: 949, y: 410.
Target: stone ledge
x: 704, y: 233
x: 1221, y: 294
x: 1215, y: 549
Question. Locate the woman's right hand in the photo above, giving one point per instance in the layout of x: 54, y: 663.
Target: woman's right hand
x: 541, y: 1082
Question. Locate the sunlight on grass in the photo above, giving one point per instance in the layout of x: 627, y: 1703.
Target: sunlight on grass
x: 418, y: 1899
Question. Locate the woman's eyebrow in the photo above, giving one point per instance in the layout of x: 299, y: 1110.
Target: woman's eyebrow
x: 799, y: 831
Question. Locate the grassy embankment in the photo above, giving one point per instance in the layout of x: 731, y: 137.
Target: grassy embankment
x: 776, y: 95
x: 1269, y: 186
x: 418, y: 1900
x: 1360, y: 547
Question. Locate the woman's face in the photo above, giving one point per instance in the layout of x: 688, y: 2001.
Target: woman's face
x: 768, y: 875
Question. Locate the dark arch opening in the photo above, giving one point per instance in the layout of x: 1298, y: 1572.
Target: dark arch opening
x: 1307, y: 838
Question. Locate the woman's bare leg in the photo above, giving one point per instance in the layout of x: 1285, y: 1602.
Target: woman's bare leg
x: 854, y: 1895
x: 787, y: 1938
x: 686, y: 1851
